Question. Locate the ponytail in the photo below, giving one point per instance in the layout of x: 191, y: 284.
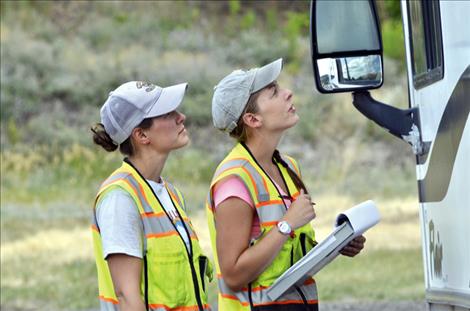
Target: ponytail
x: 101, y: 138
x: 293, y: 175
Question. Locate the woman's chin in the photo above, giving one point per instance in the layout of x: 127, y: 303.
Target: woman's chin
x: 293, y: 121
x: 184, y: 142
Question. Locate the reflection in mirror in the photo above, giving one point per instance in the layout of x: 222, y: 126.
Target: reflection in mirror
x: 350, y: 72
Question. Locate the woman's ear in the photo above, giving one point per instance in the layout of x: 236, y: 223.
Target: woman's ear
x: 139, y: 136
x: 252, y: 120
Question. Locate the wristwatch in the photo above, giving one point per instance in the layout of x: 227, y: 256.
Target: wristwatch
x: 284, y: 228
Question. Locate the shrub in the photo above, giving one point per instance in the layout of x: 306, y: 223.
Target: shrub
x: 253, y: 48
x: 393, y: 42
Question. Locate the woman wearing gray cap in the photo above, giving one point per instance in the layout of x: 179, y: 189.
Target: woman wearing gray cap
x: 147, y: 253
x: 259, y: 210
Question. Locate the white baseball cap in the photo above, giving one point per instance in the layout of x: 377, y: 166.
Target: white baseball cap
x: 232, y: 93
x: 132, y: 102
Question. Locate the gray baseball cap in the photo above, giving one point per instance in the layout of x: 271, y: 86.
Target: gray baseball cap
x: 232, y: 93
x: 132, y: 102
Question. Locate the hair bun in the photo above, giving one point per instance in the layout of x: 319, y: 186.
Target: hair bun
x: 100, y: 137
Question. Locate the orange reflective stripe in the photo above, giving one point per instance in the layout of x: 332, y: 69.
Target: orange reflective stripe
x: 259, y: 288
x: 105, y: 183
x: 309, y: 281
x: 143, y: 193
x: 252, y: 180
x: 159, y: 235
x: 164, y: 234
x: 285, y: 302
x: 113, y: 301
x: 246, y: 171
x: 234, y: 298
x: 187, y: 308
x: 173, y: 195
x: 237, y: 158
x: 153, y: 214
x: 130, y: 185
x: 95, y: 228
x: 294, y: 166
x: 248, y: 160
x: 269, y: 203
x: 295, y: 195
x: 269, y: 223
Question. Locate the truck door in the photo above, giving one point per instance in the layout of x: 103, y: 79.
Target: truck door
x: 438, y: 63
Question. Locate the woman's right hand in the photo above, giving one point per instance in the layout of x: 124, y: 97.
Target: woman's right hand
x: 301, y: 211
x: 239, y: 262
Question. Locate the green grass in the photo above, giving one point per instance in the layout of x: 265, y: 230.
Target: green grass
x: 50, y: 269
x: 46, y: 201
x: 47, y: 286
x: 47, y: 261
x: 54, y: 269
x: 374, y: 275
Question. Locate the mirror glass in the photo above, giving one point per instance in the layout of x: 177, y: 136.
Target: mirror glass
x: 350, y: 72
x: 343, y: 25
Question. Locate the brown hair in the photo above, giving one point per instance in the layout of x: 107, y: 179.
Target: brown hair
x: 299, y: 184
x: 239, y: 133
x: 101, y: 138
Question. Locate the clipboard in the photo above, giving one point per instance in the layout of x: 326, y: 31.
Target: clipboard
x: 348, y: 225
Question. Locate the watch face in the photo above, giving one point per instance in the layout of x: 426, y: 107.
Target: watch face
x: 284, y: 227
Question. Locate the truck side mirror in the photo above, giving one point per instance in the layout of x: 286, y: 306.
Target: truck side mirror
x: 346, y: 45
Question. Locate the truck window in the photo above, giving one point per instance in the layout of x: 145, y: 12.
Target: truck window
x: 426, y: 42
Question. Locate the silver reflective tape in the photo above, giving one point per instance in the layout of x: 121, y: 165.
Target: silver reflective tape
x: 263, y: 194
x: 108, y: 306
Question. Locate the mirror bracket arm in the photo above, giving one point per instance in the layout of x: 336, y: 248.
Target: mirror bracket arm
x: 402, y: 123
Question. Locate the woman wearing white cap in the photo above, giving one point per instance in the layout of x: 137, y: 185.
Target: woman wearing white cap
x: 147, y: 253
x: 259, y: 210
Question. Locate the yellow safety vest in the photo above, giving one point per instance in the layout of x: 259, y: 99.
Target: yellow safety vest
x: 270, y: 209
x: 172, y: 277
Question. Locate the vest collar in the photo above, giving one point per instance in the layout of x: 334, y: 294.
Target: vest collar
x: 251, y: 157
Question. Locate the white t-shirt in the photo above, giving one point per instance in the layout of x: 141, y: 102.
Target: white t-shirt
x: 120, y: 224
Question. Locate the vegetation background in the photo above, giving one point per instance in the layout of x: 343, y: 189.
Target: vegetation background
x: 60, y: 59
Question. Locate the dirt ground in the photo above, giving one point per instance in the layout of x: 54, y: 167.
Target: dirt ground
x: 374, y: 306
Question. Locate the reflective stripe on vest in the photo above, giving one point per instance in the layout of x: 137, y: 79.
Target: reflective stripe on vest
x: 259, y: 297
x: 172, y: 282
x: 257, y: 181
x: 110, y: 306
x: 156, y: 223
x: 107, y: 304
x: 270, y: 209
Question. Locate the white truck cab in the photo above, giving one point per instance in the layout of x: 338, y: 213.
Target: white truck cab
x: 347, y: 57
